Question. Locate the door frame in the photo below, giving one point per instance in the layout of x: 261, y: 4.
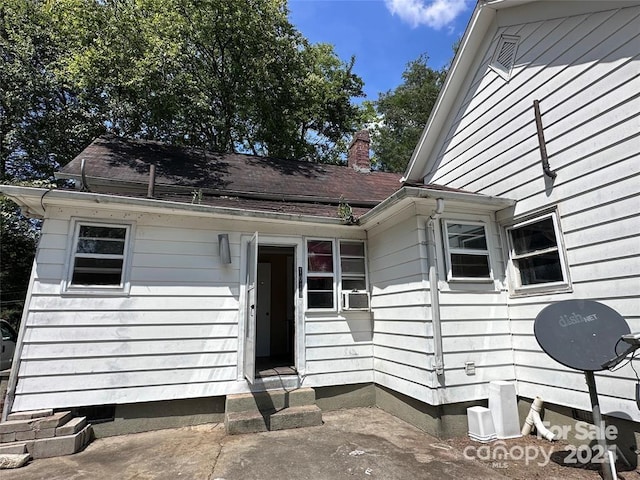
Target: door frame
x: 297, y: 243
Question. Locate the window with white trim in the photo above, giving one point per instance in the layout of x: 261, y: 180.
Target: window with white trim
x: 536, y: 254
x: 467, y: 251
x: 326, y: 277
x: 98, y: 257
x: 352, y: 266
x: 320, y: 274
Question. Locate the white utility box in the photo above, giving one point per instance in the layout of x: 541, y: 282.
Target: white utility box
x: 480, y: 423
x: 503, y: 404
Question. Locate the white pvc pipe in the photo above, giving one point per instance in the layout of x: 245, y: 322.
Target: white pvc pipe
x: 533, y: 420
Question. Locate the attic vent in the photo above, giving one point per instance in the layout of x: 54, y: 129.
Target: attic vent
x: 505, y: 55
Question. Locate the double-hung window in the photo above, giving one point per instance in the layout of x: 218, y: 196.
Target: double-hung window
x: 352, y: 266
x: 467, y: 251
x: 334, y: 267
x: 353, y: 275
x: 99, y: 257
x: 320, y: 274
x: 536, y: 255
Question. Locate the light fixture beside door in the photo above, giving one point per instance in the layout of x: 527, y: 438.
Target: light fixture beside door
x: 223, y: 248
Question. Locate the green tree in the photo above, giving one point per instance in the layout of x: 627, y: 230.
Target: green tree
x: 18, y: 239
x: 403, y: 114
x: 42, y: 121
x: 42, y: 124
x: 227, y: 76
x: 217, y: 74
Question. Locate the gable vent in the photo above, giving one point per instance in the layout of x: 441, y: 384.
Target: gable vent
x: 505, y: 55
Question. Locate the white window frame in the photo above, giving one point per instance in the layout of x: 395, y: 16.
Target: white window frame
x: 516, y: 287
x: 124, y: 286
x: 364, y: 276
x: 449, y: 251
x: 334, y: 275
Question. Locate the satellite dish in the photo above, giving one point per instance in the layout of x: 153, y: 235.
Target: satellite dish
x: 581, y: 334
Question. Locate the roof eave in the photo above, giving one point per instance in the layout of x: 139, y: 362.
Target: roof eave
x: 34, y: 202
x: 477, y: 201
x: 470, y: 44
x: 480, y: 20
x: 104, y: 182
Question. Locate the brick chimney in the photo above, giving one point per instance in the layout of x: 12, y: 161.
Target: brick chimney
x: 358, y: 157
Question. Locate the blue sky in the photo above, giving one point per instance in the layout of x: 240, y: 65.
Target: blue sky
x: 384, y: 35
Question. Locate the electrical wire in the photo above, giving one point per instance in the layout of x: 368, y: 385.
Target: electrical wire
x: 42, y: 198
x: 633, y: 357
x: 624, y: 363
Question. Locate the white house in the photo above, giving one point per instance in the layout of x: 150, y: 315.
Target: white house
x: 409, y: 295
x: 579, y: 62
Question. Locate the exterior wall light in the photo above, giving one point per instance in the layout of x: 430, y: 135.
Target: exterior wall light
x: 223, y: 248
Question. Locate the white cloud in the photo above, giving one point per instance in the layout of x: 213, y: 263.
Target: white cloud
x: 433, y: 13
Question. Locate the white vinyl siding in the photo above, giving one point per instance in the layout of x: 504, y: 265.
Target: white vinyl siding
x: 583, y: 69
x: 403, y: 338
x: 338, y: 344
x: 473, y: 315
x: 175, y: 335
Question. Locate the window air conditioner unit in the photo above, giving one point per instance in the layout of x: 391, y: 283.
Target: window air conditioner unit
x: 355, y: 300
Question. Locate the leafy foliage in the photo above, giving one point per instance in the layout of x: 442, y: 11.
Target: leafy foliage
x: 217, y: 74
x: 18, y: 239
x: 403, y: 114
x: 227, y: 76
x: 42, y: 121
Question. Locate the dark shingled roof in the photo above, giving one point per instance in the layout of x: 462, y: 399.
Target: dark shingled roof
x: 121, y: 166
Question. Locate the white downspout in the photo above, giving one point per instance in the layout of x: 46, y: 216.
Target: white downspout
x: 438, y: 358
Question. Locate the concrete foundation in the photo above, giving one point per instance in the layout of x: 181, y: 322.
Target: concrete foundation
x: 576, y: 429
x: 148, y: 416
x: 345, y: 396
x: 445, y: 421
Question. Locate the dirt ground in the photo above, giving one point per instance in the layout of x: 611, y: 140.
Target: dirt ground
x: 529, y: 458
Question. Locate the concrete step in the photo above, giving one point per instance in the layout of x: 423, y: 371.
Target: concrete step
x: 32, y: 428
x: 72, y: 426
x: 53, y: 446
x: 255, y: 421
x: 270, y: 400
x: 30, y: 415
x: 16, y: 448
x: 296, y: 417
x: 246, y: 422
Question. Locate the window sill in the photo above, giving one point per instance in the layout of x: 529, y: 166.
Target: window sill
x: 541, y: 290
x: 470, y: 280
x: 96, y: 292
x: 321, y: 311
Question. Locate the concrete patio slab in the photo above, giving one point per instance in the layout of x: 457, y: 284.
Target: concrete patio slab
x: 357, y: 443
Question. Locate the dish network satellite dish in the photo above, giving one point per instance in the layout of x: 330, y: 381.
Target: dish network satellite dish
x: 581, y: 334
x: 589, y: 336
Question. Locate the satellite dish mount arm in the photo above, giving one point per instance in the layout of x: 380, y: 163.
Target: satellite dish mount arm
x: 633, y: 339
